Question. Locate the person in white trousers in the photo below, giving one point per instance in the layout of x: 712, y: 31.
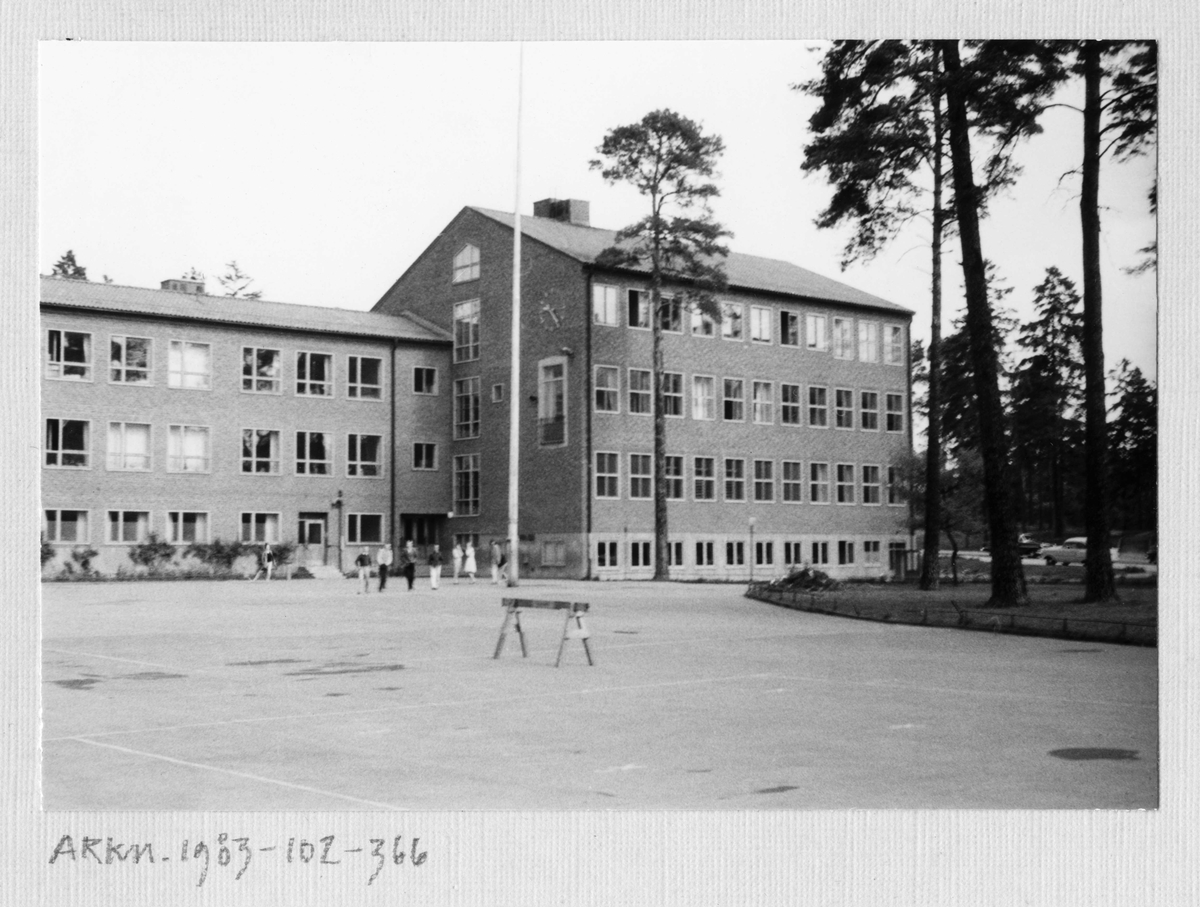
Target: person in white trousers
x: 435, y: 566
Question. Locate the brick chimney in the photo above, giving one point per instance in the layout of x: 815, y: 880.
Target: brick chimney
x: 190, y: 285
x: 568, y: 210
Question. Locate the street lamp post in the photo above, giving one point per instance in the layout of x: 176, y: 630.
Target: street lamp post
x: 751, y: 552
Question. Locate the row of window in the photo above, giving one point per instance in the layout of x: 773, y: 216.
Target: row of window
x: 189, y: 450
x: 69, y: 356
x: 870, y: 341
x: 727, y: 398
x: 727, y: 479
x: 766, y: 324
x: 184, y: 527
x: 817, y: 553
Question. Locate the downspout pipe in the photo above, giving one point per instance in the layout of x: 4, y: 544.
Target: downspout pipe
x: 588, y: 456
x: 391, y: 537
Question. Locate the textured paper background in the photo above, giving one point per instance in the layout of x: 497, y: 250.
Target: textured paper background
x: 868, y: 858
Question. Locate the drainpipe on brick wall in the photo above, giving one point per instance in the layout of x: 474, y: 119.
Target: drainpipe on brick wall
x: 391, y: 536
x: 588, y: 464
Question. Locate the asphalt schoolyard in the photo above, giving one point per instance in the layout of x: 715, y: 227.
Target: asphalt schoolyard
x: 303, y: 695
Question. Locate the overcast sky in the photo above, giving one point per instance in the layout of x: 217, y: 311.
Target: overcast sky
x: 325, y: 169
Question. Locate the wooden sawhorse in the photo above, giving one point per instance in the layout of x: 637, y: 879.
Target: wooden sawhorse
x: 575, y: 612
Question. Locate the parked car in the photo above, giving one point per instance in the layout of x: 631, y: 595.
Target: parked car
x: 1026, y: 547
x: 1072, y: 551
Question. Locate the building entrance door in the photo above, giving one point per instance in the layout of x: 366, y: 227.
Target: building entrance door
x: 313, y: 538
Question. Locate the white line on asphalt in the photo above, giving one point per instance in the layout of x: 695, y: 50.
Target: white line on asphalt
x: 152, y: 664
x: 405, y: 707
x: 226, y: 771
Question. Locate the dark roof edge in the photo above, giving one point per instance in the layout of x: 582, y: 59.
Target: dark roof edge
x: 289, y: 329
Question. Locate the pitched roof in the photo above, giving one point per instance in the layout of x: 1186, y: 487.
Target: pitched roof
x: 109, y: 297
x: 749, y: 272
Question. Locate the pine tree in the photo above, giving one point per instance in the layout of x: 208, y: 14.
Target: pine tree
x: 66, y: 268
x: 669, y: 160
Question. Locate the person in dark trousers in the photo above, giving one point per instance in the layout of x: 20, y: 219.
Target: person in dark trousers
x: 408, y: 562
x: 383, y: 557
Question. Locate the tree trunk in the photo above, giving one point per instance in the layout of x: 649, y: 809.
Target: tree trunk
x: 1008, y: 578
x: 661, y: 571
x: 1098, y: 571
x: 933, y: 449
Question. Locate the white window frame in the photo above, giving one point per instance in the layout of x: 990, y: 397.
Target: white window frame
x: 466, y: 326
x: 175, y: 524
x: 704, y: 405
x: 893, y: 344
x: 605, y: 305
x: 607, y: 556
x: 675, y: 479
x: 59, y: 452
x: 640, y: 554
x: 709, y: 479
x: 706, y: 555
x: 356, y: 387
x: 761, y: 329
x: 273, y: 537
x: 791, y: 488
x: 275, y: 464
x: 675, y: 378
x: 735, y: 553
x: 821, y: 408
x: 466, y: 485
x: 898, y: 413
x: 553, y: 393
x: 465, y: 265
x: 253, y: 383
x: 816, y: 332
x: 845, y: 552
x: 819, y: 483
x: 764, y: 553
x: 307, y: 460
x: 305, y: 385
x: 637, y: 305
x: 789, y: 318
x: 142, y: 527
x: 432, y: 445
x: 432, y: 389
x: 872, y: 550
x: 764, y: 485
x: 356, y: 465
x: 763, y: 409
x: 868, y: 413
x: 641, y: 477
x: 467, y: 407
x: 893, y: 487
x: 56, y: 369
x: 645, y: 394
x: 733, y: 321
x: 118, y: 372
x: 181, y: 462
x: 611, y: 392
x: 739, y: 480
x: 871, y: 488
x: 611, y: 479
x: 739, y: 400
x: 839, y: 410
x: 55, y: 537
x: 820, y: 554
x: 703, y: 325
x: 793, y: 407
x: 354, y: 528
x: 843, y: 337
x: 845, y: 484
x: 120, y: 464
x: 178, y: 377
x: 498, y: 393
x: 868, y: 341
x: 670, y: 312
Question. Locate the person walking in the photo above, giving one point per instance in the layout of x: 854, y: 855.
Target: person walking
x: 502, y: 566
x: 469, y: 567
x: 494, y: 551
x: 383, y: 557
x: 363, y: 563
x: 456, y: 558
x: 266, y: 562
x: 435, y: 566
x: 408, y: 562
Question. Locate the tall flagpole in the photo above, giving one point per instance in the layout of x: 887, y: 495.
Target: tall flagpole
x: 514, y: 380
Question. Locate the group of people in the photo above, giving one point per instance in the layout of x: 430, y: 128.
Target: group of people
x: 462, y: 559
